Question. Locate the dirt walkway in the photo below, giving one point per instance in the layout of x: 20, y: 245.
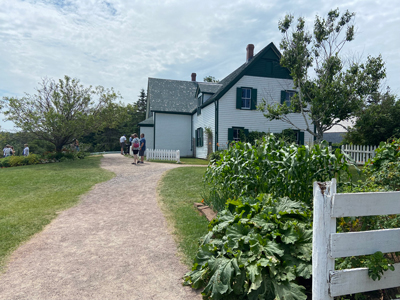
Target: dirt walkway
x: 113, y: 245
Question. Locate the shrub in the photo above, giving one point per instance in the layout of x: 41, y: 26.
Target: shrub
x: 16, y: 161
x: 5, y: 162
x: 255, y: 249
x: 33, y: 159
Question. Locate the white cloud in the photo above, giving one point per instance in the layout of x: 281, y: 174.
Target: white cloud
x: 120, y: 43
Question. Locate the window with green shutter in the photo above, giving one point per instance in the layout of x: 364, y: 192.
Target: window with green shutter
x: 199, y: 137
x: 246, y: 98
x: 286, y: 96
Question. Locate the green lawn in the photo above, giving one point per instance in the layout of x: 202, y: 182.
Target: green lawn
x: 32, y: 195
x: 178, y: 190
x: 186, y: 161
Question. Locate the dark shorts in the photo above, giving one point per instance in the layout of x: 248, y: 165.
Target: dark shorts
x: 135, y: 151
x: 141, y: 152
x: 122, y: 145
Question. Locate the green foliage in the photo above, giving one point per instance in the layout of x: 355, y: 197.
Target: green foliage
x: 384, y: 169
x: 378, y: 121
x: 210, y: 79
x: 62, y: 111
x: 334, y: 93
x: 274, y: 167
x: 255, y: 249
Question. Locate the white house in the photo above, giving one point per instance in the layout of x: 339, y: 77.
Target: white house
x: 179, y: 113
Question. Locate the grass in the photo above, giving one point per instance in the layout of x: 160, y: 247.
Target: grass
x: 178, y: 190
x: 32, y: 195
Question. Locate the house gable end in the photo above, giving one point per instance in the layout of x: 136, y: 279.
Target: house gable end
x: 268, y: 66
x: 263, y: 64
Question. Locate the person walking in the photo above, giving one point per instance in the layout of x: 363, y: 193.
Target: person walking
x: 122, y: 141
x: 142, y: 147
x: 8, y: 151
x: 26, y: 150
x: 135, y: 148
x: 76, y: 145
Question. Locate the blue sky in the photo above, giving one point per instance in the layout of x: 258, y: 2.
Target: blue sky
x: 120, y: 43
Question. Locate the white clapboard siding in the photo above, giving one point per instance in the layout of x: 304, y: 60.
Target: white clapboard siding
x: 360, y: 154
x: 342, y: 282
x: 328, y: 245
x: 161, y: 154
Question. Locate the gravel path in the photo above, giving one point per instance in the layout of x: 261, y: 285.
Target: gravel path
x: 113, y: 245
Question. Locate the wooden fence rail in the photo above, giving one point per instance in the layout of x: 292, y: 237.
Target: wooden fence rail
x: 360, y: 154
x: 158, y: 154
x: 328, y: 245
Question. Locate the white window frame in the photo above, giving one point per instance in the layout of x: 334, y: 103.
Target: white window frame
x: 246, y: 100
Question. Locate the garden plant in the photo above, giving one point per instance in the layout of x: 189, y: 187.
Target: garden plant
x: 259, y: 246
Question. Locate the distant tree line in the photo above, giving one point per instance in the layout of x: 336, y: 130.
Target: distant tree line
x: 64, y: 110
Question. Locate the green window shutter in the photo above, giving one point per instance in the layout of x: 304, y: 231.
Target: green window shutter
x: 283, y: 96
x: 239, y: 98
x: 230, y: 135
x: 201, y: 137
x: 301, y: 137
x: 253, y: 99
x: 196, y: 137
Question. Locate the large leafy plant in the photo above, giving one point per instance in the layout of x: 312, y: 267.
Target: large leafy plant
x: 274, y: 167
x: 258, y: 248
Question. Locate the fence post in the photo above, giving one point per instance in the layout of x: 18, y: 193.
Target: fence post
x: 323, y: 226
x: 178, y: 156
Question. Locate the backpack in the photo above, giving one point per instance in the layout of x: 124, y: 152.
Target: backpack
x: 136, y: 143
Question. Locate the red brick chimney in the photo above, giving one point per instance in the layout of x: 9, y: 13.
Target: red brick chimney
x: 250, y: 52
x: 193, y: 76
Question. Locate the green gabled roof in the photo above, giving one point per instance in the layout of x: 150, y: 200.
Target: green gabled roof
x: 149, y: 122
x: 168, y: 95
x: 264, y: 64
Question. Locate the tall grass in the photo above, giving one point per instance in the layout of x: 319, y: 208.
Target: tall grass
x: 32, y: 195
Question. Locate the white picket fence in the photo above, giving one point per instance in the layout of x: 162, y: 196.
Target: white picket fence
x: 360, y: 154
x: 328, y: 245
x: 158, y: 154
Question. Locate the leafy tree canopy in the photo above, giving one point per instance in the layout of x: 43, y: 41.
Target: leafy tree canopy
x: 378, y: 121
x: 61, y: 111
x: 210, y: 79
x: 334, y: 93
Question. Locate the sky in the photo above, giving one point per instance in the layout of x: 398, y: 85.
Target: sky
x: 121, y: 43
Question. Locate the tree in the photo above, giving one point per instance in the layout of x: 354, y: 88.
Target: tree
x: 210, y: 79
x: 334, y: 93
x: 61, y: 111
x: 142, y: 105
x: 378, y: 121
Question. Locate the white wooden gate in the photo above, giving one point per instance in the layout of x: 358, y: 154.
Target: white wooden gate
x: 328, y: 245
x: 158, y: 154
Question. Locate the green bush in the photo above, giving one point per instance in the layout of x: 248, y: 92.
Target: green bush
x: 16, y: 161
x: 256, y: 249
x: 5, y: 162
x: 273, y: 167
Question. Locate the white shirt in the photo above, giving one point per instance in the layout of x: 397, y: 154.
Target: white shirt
x: 122, y: 139
x: 26, y: 151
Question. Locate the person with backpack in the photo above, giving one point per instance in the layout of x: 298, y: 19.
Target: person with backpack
x: 135, y: 148
x: 142, y: 147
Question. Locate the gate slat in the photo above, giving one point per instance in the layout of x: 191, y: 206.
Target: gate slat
x: 353, y: 281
